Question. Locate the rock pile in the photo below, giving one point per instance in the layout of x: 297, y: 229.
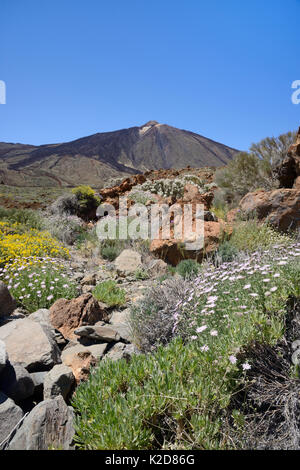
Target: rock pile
x: 43, y: 356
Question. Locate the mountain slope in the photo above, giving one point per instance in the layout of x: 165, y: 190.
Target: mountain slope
x: 95, y: 158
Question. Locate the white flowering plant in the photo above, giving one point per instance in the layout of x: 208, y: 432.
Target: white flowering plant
x: 38, y: 283
x: 174, y: 187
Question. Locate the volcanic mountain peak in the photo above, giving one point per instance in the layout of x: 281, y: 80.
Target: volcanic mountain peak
x: 149, y: 125
x: 93, y: 159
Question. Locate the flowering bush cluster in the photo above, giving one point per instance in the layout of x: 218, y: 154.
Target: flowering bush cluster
x: 37, y: 282
x: 140, y: 196
x: 17, y: 243
x: 227, y: 304
x: 174, y: 187
x: 236, y: 301
x: 179, y: 396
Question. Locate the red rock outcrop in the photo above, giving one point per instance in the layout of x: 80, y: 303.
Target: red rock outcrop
x: 119, y: 190
x: 67, y: 315
x: 281, y: 207
x: 173, y: 250
x: 80, y: 361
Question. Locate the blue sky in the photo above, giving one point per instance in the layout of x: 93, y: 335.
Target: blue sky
x: 223, y: 69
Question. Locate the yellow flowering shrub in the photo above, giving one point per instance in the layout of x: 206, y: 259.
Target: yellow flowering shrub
x: 15, y: 243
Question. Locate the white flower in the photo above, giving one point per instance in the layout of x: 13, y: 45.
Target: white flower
x: 214, y: 333
x: 201, y: 328
x: 246, y: 366
x: 247, y: 286
x: 232, y: 359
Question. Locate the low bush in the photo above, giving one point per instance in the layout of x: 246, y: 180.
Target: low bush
x: 109, y: 293
x: 160, y: 401
x: 173, y: 187
x: 176, y: 307
x: 151, y: 317
x: 249, y: 236
x: 26, y: 217
x: 37, y: 283
x: 226, y: 252
x: 140, y: 197
x: 110, y: 249
x: 141, y: 274
x: 65, y: 228
x: 188, y: 268
x: 87, y: 199
x: 220, y: 206
x: 65, y: 205
x: 248, y: 170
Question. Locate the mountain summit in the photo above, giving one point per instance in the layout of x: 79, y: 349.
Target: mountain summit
x: 93, y: 159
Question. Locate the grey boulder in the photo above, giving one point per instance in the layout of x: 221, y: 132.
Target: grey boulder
x: 7, y: 302
x: 16, y: 382
x: 120, y: 351
x: 30, y: 344
x: 99, y: 333
x: 128, y: 262
x: 58, y: 381
x: 10, y: 415
x: 38, y: 379
x: 48, y: 426
x: 42, y: 316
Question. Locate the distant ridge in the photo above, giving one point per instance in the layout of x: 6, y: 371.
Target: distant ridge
x: 93, y: 159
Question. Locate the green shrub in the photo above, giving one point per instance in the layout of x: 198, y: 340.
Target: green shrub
x: 257, y: 168
x: 220, y: 207
x: 110, y: 249
x: 250, y: 236
x: 87, y: 199
x: 141, y: 274
x: 164, y: 400
x: 27, y: 217
x: 109, y: 293
x: 227, y: 252
x: 188, y: 268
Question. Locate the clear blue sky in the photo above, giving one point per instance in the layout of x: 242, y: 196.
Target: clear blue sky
x: 223, y: 69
